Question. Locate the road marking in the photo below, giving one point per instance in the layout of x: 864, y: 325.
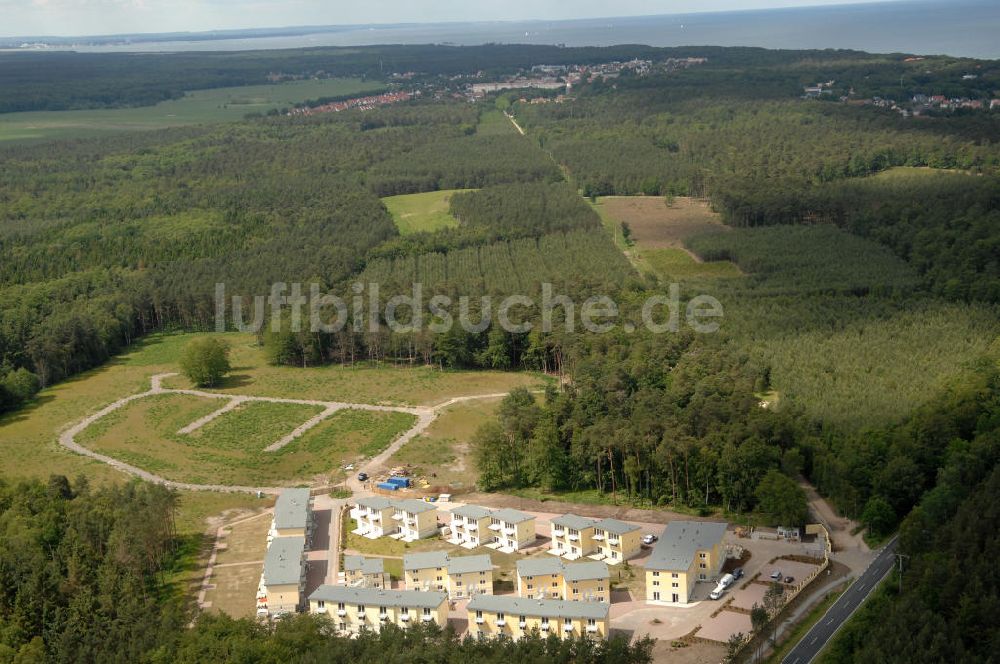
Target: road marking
x: 813, y: 642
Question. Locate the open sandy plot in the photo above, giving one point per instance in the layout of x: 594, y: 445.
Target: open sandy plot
x: 234, y: 589
x: 724, y: 625
x: 745, y: 598
x: 655, y: 225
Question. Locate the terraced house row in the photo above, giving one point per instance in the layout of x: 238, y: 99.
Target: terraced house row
x: 352, y: 610
x: 408, y: 520
x: 459, y: 576
x: 491, y: 616
x: 548, y: 578
x: 505, y: 530
x: 610, y: 540
x: 282, y: 580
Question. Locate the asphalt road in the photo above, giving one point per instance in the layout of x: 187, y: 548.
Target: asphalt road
x: 817, y: 637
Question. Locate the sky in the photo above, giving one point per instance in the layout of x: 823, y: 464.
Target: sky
x: 94, y: 17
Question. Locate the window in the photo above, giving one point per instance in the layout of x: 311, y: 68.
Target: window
x: 321, y: 604
x: 530, y: 587
x: 675, y: 585
x: 656, y: 573
x: 439, y: 578
x: 675, y: 575
x: 343, y: 627
x: 591, y: 622
x: 361, y: 608
x: 499, y: 615
x: 702, y: 565
x: 576, y: 591
x: 479, y: 614
x: 567, y: 621
x: 600, y: 589
x: 458, y: 583
x: 656, y: 583
x: 656, y: 597
x: 555, y: 583
x: 427, y: 611
x: 340, y: 606
x: 702, y: 555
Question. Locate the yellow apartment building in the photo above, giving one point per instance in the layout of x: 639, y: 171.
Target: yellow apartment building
x: 365, y: 572
x: 292, y: 515
x: 495, y: 615
x: 548, y: 578
x: 283, y: 579
x: 617, y: 541
x: 459, y: 576
x: 688, y: 552
x: 512, y: 530
x: 415, y: 519
x: 469, y: 526
x: 354, y: 609
x: 373, y: 517
x: 572, y: 536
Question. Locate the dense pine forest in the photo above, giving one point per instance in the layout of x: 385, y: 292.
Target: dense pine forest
x: 858, y: 349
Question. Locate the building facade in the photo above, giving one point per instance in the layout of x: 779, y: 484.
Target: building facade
x: 512, y: 530
x: 365, y: 572
x: 353, y: 609
x: 514, y: 617
x: 459, y: 576
x: 616, y: 541
x: 548, y: 578
x: 373, y: 517
x: 292, y: 515
x: 573, y: 536
x: 283, y: 579
x: 688, y: 552
x: 470, y: 526
x: 407, y: 520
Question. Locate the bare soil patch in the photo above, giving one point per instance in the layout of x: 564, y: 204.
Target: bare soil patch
x: 655, y: 225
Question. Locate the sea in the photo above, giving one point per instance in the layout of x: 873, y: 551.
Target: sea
x: 969, y: 28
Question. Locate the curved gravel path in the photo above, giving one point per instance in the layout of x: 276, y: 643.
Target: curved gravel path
x: 425, y: 416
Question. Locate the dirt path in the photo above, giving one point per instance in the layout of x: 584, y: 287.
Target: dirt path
x: 425, y: 417
x: 842, y: 530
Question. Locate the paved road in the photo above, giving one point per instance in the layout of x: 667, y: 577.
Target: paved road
x: 821, y: 633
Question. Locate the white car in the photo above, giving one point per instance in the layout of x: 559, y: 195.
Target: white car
x: 649, y: 539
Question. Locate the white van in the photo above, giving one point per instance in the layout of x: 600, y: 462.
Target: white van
x: 724, y: 584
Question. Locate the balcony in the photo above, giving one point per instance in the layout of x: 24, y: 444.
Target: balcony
x: 614, y: 542
x: 397, y: 517
x: 427, y: 618
x: 405, y: 617
x: 558, y: 532
x: 544, y: 627
x: 480, y: 620
x: 522, y: 624
x: 509, y: 531
x: 472, y: 526
x: 568, y: 628
x: 341, y: 612
x: 591, y: 629
x: 573, y: 538
x: 501, y: 622
x: 597, y: 537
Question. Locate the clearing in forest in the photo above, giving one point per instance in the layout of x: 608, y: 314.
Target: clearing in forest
x: 658, y: 229
x: 418, y: 213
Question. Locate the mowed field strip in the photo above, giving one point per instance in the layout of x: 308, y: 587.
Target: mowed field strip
x: 425, y: 212
x: 422, y: 416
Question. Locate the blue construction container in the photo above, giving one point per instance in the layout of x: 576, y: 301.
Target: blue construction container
x: 388, y: 486
x: 402, y: 482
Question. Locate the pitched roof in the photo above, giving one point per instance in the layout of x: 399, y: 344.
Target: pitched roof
x: 413, y: 505
x: 416, y: 599
x: 425, y: 559
x: 543, y: 608
x: 573, y: 521
x: 471, y: 511
x: 283, y: 561
x: 586, y: 571
x: 374, y: 502
x: 364, y: 565
x: 615, y: 526
x: 464, y: 564
x: 681, y: 540
x: 291, y: 510
x: 511, y: 516
x: 539, y: 566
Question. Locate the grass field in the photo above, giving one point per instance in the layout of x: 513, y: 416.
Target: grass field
x: 197, y: 107
x: 230, y: 449
x: 441, y: 454
x: 658, y: 231
x: 29, y: 436
x: 494, y: 123
x: 237, y: 568
x: 417, y: 213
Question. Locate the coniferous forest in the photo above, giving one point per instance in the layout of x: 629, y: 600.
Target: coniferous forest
x: 867, y: 247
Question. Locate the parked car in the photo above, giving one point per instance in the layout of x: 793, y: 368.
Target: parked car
x: 776, y: 575
x: 738, y: 573
x: 649, y: 539
x: 349, y: 467
x: 362, y: 477
x: 789, y: 579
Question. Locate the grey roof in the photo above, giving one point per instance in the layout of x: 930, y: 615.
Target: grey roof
x: 680, y: 541
x: 586, y: 571
x: 457, y: 565
x: 414, y: 506
x: 543, y: 608
x: 539, y: 566
x: 615, y: 526
x: 464, y: 564
x: 374, y: 502
x: 416, y: 599
x: 425, y: 559
x: 291, y: 510
x: 573, y: 521
x: 471, y: 511
x: 364, y: 565
x: 511, y: 516
x: 283, y: 561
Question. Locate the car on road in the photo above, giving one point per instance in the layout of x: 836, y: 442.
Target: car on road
x: 776, y: 575
x: 738, y: 573
x: 789, y: 579
x: 362, y: 477
x: 649, y: 539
